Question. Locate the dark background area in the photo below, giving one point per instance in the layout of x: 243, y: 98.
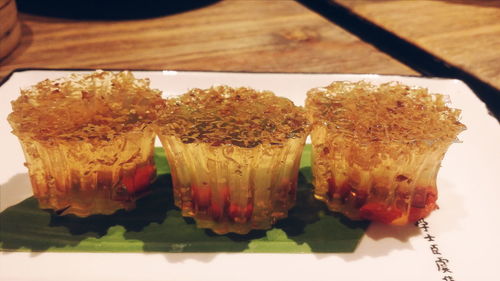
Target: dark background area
x: 108, y: 9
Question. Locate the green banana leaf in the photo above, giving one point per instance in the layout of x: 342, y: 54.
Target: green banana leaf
x: 156, y: 225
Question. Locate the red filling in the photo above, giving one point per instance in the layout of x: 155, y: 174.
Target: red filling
x: 140, y: 180
x: 237, y: 213
x: 217, y: 210
x: 204, y: 201
x: 201, y: 197
x: 379, y: 212
x: 423, y: 202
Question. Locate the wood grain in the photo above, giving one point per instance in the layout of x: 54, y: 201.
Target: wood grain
x: 8, y: 14
x: 269, y: 36
x: 10, y: 28
x: 465, y: 34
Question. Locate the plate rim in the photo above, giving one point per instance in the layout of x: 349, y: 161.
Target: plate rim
x: 423, y: 76
x: 216, y: 261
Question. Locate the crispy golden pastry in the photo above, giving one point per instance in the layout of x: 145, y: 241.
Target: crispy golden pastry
x: 377, y: 149
x: 87, y: 140
x: 234, y: 155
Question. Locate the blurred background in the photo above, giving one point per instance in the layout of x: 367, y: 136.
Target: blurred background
x: 108, y: 9
x: 446, y: 38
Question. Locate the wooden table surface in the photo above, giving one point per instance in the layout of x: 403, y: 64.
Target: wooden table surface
x: 271, y: 36
x: 245, y: 35
x: 463, y: 33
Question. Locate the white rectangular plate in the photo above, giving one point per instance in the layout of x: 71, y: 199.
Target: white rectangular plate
x: 462, y: 236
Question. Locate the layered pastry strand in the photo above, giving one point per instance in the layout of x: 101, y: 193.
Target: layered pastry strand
x: 234, y: 155
x: 377, y: 149
x: 87, y: 140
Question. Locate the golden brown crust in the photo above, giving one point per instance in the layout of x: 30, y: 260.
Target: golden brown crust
x: 88, y: 107
x: 392, y: 112
x: 233, y: 116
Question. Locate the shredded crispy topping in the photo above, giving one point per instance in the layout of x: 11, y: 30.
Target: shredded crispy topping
x: 233, y: 116
x: 392, y: 112
x: 99, y: 105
